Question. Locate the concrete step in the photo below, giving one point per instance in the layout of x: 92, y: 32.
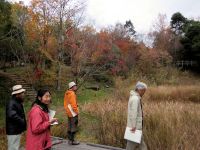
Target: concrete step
x: 30, y: 92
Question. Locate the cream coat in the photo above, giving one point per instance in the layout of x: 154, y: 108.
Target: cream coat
x: 134, y: 111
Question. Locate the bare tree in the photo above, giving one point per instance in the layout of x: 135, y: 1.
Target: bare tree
x: 65, y: 11
x: 162, y: 37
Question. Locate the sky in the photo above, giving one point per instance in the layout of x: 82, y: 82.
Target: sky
x: 142, y: 13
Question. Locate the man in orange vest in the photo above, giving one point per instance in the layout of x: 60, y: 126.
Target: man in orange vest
x: 71, y: 107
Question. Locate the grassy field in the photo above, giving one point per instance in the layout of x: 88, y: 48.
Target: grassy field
x: 172, y: 116
x: 171, y: 121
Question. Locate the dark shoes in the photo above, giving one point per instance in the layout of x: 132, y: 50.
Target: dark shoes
x: 73, y: 142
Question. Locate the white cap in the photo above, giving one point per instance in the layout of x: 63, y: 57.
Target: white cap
x: 140, y: 85
x: 71, y: 84
x: 17, y: 89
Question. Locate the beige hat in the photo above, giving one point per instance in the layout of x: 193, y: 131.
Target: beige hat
x: 71, y: 84
x: 17, y: 89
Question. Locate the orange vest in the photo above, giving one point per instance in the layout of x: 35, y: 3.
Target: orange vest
x: 70, y: 103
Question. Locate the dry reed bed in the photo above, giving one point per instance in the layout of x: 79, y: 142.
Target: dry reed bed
x: 174, y: 93
x: 171, y: 122
x: 172, y: 125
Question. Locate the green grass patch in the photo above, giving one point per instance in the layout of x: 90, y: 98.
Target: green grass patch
x: 83, y: 96
x: 87, y: 95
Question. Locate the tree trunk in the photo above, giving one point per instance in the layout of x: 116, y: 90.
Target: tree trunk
x: 60, y: 49
x: 59, y: 77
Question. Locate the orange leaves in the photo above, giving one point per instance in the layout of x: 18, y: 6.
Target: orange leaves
x: 104, y: 43
x: 71, y: 40
x: 123, y: 44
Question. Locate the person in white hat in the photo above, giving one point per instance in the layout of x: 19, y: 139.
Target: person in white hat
x: 71, y: 108
x: 15, y: 118
x: 135, y: 115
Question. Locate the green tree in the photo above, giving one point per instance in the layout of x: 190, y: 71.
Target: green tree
x: 188, y: 33
x: 191, y: 42
x: 130, y: 28
x: 5, y: 28
x: 5, y: 18
x: 178, y: 22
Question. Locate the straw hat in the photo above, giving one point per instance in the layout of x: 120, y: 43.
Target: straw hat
x: 17, y: 89
x: 71, y: 84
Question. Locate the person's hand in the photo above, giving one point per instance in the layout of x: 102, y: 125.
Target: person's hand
x: 53, y: 120
x: 133, y: 129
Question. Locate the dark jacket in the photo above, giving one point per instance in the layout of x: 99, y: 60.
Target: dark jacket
x: 15, y: 117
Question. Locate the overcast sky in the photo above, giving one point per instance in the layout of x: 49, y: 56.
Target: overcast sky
x: 142, y: 13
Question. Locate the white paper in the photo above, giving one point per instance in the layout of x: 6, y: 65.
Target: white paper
x: 51, y: 116
x: 71, y: 110
x: 134, y: 137
x: 55, y: 123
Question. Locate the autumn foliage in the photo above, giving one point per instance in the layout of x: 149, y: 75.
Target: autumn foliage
x: 53, y: 37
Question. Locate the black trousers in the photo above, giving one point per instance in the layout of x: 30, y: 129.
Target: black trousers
x: 72, y: 127
x: 71, y: 135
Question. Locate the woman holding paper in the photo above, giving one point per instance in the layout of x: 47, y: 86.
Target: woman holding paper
x: 38, y: 132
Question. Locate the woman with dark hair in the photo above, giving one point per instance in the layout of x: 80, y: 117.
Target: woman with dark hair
x: 38, y: 132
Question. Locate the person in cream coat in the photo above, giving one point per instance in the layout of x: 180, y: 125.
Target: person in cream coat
x: 135, y: 115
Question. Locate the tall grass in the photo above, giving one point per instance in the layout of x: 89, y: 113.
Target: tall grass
x: 164, y: 76
x: 174, y: 93
x: 172, y: 125
x: 3, y: 139
x: 110, y: 121
x: 171, y: 120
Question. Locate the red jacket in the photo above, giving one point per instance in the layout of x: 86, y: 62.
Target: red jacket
x: 38, y: 132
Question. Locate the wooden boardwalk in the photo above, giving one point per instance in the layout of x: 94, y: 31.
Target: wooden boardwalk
x: 61, y: 144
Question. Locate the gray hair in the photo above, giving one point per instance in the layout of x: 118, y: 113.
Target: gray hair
x: 140, y: 85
